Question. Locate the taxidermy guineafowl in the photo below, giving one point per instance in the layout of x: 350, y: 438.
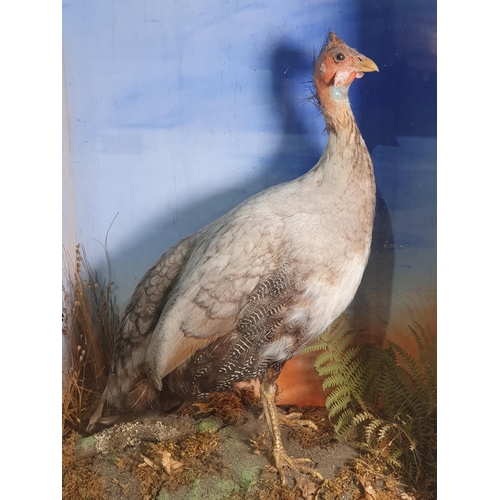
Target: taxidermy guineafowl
x: 237, y: 299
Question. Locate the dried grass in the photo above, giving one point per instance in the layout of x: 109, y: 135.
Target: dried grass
x: 89, y: 325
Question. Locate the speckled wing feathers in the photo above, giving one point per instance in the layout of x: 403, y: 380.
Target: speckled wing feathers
x: 148, y: 299
x: 213, y: 287
x: 238, y: 356
x: 222, y: 279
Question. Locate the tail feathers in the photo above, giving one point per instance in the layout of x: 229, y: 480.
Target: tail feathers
x: 97, y: 415
x: 122, y: 401
x: 116, y: 401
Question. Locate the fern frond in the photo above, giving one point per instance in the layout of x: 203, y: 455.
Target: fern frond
x: 337, y: 401
x: 372, y: 428
x: 414, y: 370
x: 359, y: 418
x: 344, y: 425
x: 384, y: 395
x: 382, y: 432
x: 427, y: 348
x: 324, y: 363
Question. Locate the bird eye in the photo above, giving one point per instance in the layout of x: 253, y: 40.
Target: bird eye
x: 339, y: 56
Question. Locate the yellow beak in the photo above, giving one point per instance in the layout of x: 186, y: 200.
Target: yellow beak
x: 365, y: 65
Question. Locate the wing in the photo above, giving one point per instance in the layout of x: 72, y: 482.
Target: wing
x: 147, y: 301
x: 226, y: 273
x: 234, y: 256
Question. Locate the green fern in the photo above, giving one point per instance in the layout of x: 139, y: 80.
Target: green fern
x: 382, y: 396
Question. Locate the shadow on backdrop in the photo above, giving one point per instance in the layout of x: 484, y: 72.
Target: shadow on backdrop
x: 402, y: 101
x: 298, y: 150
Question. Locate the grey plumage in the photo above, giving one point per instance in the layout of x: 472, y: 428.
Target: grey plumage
x: 241, y: 296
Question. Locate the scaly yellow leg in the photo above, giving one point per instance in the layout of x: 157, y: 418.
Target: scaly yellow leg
x: 273, y: 418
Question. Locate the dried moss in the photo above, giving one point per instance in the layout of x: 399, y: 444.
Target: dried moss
x: 309, y: 438
x: 80, y: 481
x: 367, y: 478
x: 229, y: 406
x: 195, y: 456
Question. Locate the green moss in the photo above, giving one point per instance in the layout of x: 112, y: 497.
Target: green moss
x: 85, y: 447
x: 248, y: 477
x: 225, y: 489
x: 208, y: 426
x: 86, y: 443
x: 163, y: 495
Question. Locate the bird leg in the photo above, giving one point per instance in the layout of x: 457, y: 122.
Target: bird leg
x: 282, y: 460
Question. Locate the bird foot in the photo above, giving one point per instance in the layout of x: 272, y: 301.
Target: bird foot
x: 295, y: 420
x: 283, y: 461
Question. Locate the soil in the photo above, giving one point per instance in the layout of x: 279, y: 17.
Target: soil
x: 216, y: 450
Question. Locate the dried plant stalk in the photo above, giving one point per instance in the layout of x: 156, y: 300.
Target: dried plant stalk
x: 90, y: 321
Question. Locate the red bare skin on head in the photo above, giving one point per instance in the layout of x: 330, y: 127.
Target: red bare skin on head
x: 338, y: 66
x: 339, y: 73
x: 327, y: 73
x: 331, y: 73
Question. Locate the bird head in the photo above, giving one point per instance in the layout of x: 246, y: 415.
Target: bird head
x: 337, y: 66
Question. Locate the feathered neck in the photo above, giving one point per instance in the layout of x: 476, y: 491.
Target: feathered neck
x: 336, y: 109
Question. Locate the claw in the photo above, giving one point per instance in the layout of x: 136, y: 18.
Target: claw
x: 295, y: 464
x: 295, y: 420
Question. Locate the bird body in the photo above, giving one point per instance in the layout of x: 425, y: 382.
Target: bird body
x: 293, y: 229
x: 237, y: 299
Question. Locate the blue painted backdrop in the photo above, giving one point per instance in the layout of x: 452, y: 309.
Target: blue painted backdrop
x: 178, y: 111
